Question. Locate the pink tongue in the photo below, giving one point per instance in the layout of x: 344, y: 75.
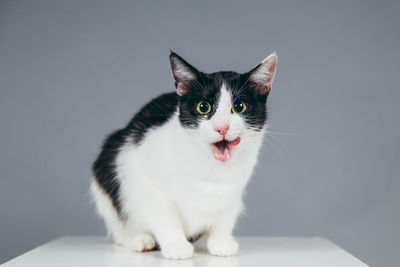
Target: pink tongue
x: 221, y: 155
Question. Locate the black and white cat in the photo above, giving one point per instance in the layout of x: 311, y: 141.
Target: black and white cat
x: 178, y: 170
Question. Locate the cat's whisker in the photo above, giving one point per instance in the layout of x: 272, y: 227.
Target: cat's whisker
x: 280, y: 133
x: 276, y: 138
x: 243, y: 85
x: 237, y: 83
x: 203, y: 89
x: 240, y: 90
x: 273, y: 145
x: 204, y: 83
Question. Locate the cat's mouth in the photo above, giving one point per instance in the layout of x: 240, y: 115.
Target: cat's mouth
x: 222, y: 149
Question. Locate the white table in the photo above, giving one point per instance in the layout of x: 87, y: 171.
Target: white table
x: 95, y: 251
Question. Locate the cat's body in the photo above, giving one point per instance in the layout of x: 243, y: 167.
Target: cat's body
x: 176, y: 172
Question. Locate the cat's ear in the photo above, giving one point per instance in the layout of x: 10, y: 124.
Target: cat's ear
x: 183, y: 73
x: 263, y: 74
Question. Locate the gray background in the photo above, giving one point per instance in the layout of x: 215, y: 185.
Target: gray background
x: 72, y: 71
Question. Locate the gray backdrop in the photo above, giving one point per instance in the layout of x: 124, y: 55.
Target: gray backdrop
x: 72, y: 71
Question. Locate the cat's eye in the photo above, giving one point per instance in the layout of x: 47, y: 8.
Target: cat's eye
x: 239, y: 107
x: 203, y: 107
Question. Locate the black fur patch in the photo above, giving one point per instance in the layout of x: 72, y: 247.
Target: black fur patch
x: 153, y: 114
x: 104, y: 166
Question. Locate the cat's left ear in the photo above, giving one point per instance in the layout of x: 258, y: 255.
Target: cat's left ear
x: 183, y: 72
x: 263, y: 74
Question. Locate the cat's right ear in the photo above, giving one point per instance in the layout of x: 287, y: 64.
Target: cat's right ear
x: 183, y: 73
x: 263, y: 74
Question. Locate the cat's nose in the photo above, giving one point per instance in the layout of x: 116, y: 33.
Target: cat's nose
x: 223, y: 129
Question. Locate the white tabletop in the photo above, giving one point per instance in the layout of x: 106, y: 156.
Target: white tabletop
x: 254, y: 251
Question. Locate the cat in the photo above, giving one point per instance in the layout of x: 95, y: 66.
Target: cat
x: 177, y: 171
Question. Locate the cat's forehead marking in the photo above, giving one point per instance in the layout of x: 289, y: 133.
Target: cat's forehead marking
x: 224, y: 102
x: 224, y: 106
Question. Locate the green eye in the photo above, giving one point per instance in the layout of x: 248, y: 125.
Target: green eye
x: 203, y: 107
x: 239, y: 107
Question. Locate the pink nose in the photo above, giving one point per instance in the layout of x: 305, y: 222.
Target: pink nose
x: 222, y: 130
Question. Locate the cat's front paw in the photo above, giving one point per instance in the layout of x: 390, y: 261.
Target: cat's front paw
x: 223, y: 247
x: 143, y: 242
x: 177, y: 251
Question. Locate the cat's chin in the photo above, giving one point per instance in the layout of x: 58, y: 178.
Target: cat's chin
x: 222, y: 149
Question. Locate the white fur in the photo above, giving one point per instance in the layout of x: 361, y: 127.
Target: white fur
x: 173, y: 188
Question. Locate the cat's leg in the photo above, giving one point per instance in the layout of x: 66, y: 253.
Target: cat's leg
x: 150, y: 208
x: 167, y: 228
x: 220, y: 240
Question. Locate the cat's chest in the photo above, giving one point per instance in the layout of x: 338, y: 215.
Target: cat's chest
x: 204, y: 194
x: 200, y: 202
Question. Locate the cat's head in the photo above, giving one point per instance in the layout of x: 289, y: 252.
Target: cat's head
x: 223, y: 108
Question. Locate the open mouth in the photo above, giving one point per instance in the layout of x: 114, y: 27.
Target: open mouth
x: 222, y: 149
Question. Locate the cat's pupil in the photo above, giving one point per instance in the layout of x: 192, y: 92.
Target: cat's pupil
x: 203, y: 107
x: 239, y: 107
